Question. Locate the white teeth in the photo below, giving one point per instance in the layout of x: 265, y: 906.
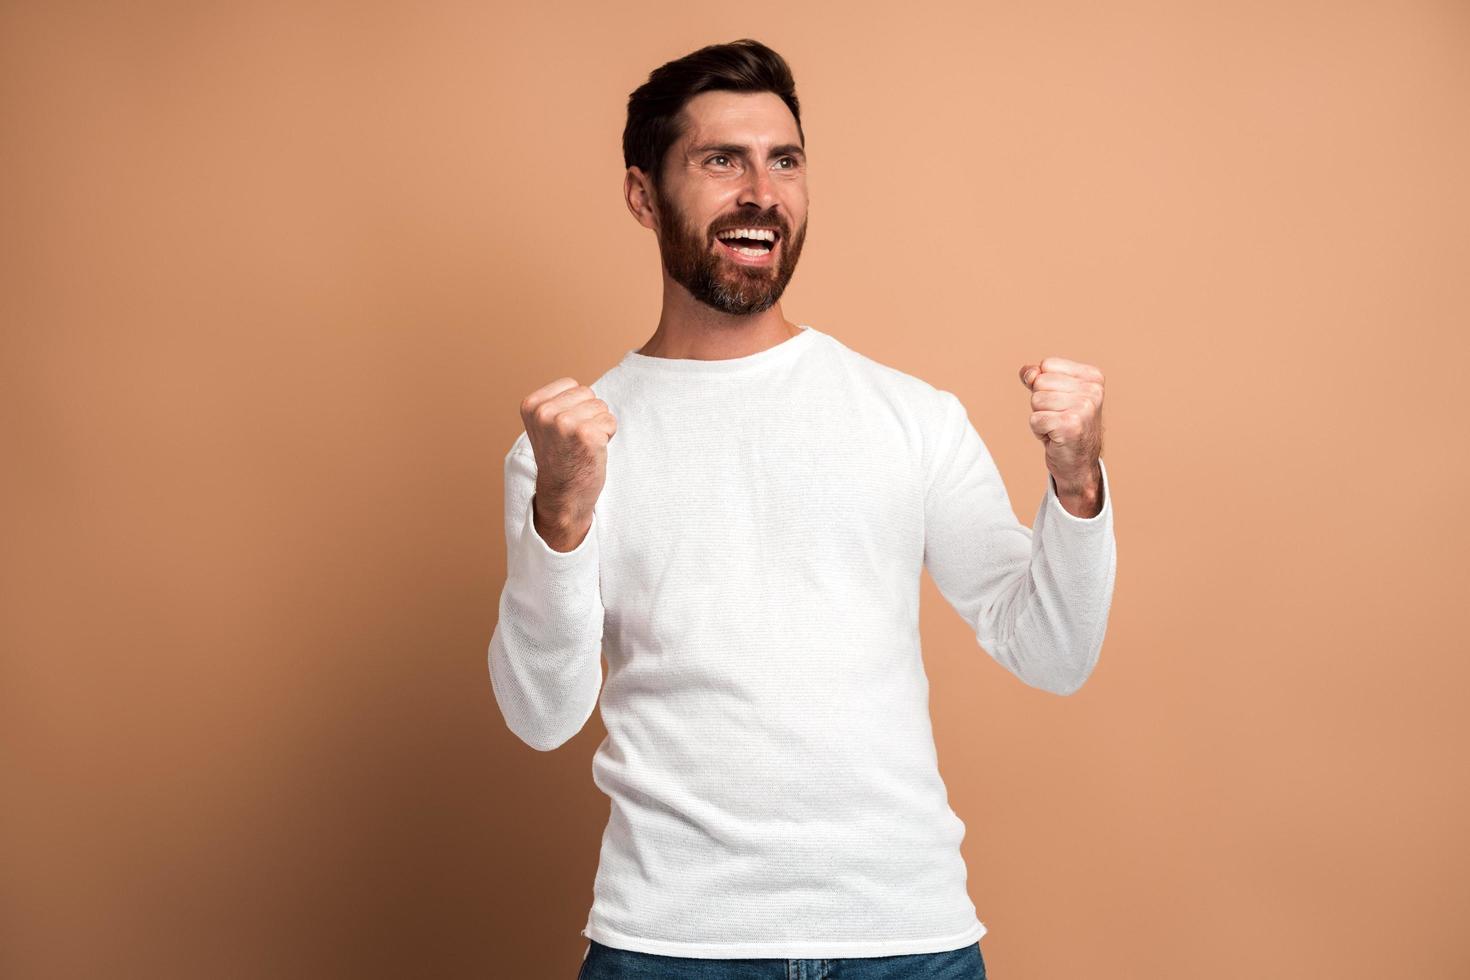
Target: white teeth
x: 764, y: 234
x: 752, y: 251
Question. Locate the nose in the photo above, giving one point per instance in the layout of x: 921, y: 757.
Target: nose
x: 759, y: 189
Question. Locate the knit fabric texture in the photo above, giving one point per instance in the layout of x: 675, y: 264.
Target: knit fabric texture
x: 752, y: 578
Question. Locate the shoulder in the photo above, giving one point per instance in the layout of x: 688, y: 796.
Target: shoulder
x: 932, y: 419
x: 917, y: 396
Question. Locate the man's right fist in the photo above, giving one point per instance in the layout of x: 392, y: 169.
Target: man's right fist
x: 569, y: 428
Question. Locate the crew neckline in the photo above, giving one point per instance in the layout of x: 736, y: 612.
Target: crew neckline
x: 725, y: 365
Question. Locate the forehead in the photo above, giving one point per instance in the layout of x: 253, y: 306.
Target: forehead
x: 754, y: 118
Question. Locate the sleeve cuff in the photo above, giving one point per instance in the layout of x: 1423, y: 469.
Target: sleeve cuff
x: 559, y: 577
x: 1054, y: 502
x: 546, y: 550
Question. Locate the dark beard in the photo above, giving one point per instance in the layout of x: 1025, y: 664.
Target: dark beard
x: 693, y: 260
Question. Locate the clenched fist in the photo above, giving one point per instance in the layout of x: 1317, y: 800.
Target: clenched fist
x: 1066, y: 415
x: 569, y: 428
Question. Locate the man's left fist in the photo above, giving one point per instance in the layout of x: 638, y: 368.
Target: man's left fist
x: 1066, y: 415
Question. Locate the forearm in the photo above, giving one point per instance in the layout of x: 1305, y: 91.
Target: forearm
x: 545, y: 654
x: 1050, y: 630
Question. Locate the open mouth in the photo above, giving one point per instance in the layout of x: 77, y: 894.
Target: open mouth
x: 749, y: 243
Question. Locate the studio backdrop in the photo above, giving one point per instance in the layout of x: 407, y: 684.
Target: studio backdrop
x: 275, y: 277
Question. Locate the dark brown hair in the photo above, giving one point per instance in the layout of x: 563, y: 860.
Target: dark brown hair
x: 653, y: 108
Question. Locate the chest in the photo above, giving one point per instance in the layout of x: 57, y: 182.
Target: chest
x: 721, y: 504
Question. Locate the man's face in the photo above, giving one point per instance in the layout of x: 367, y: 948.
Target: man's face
x: 738, y: 165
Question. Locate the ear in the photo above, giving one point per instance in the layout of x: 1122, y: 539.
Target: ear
x: 638, y: 193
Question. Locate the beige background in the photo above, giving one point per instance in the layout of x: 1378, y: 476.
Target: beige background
x: 275, y: 277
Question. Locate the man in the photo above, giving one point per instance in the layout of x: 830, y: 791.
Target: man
x: 737, y: 515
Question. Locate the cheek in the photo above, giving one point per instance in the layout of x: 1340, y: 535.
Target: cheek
x: 797, y: 203
x: 717, y: 197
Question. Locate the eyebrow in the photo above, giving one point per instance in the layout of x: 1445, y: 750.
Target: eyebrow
x: 736, y: 149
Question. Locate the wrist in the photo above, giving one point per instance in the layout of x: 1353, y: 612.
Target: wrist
x: 1081, y: 497
x: 1084, y: 486
x: 562, y: 527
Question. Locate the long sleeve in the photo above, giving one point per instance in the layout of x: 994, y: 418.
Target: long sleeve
x: 1037, y: 598
x: 546, y: 650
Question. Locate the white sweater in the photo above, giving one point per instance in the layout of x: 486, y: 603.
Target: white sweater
x: 752, y: 577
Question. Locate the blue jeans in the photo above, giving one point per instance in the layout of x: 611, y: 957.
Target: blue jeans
x: 609, y: 963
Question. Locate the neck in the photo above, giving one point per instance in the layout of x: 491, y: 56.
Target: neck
x: 689, y: 329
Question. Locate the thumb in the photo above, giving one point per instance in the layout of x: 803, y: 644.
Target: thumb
x: 1029, y: 373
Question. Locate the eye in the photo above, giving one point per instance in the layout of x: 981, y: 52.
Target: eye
x: 791, y: 160
x: 717, y: 156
